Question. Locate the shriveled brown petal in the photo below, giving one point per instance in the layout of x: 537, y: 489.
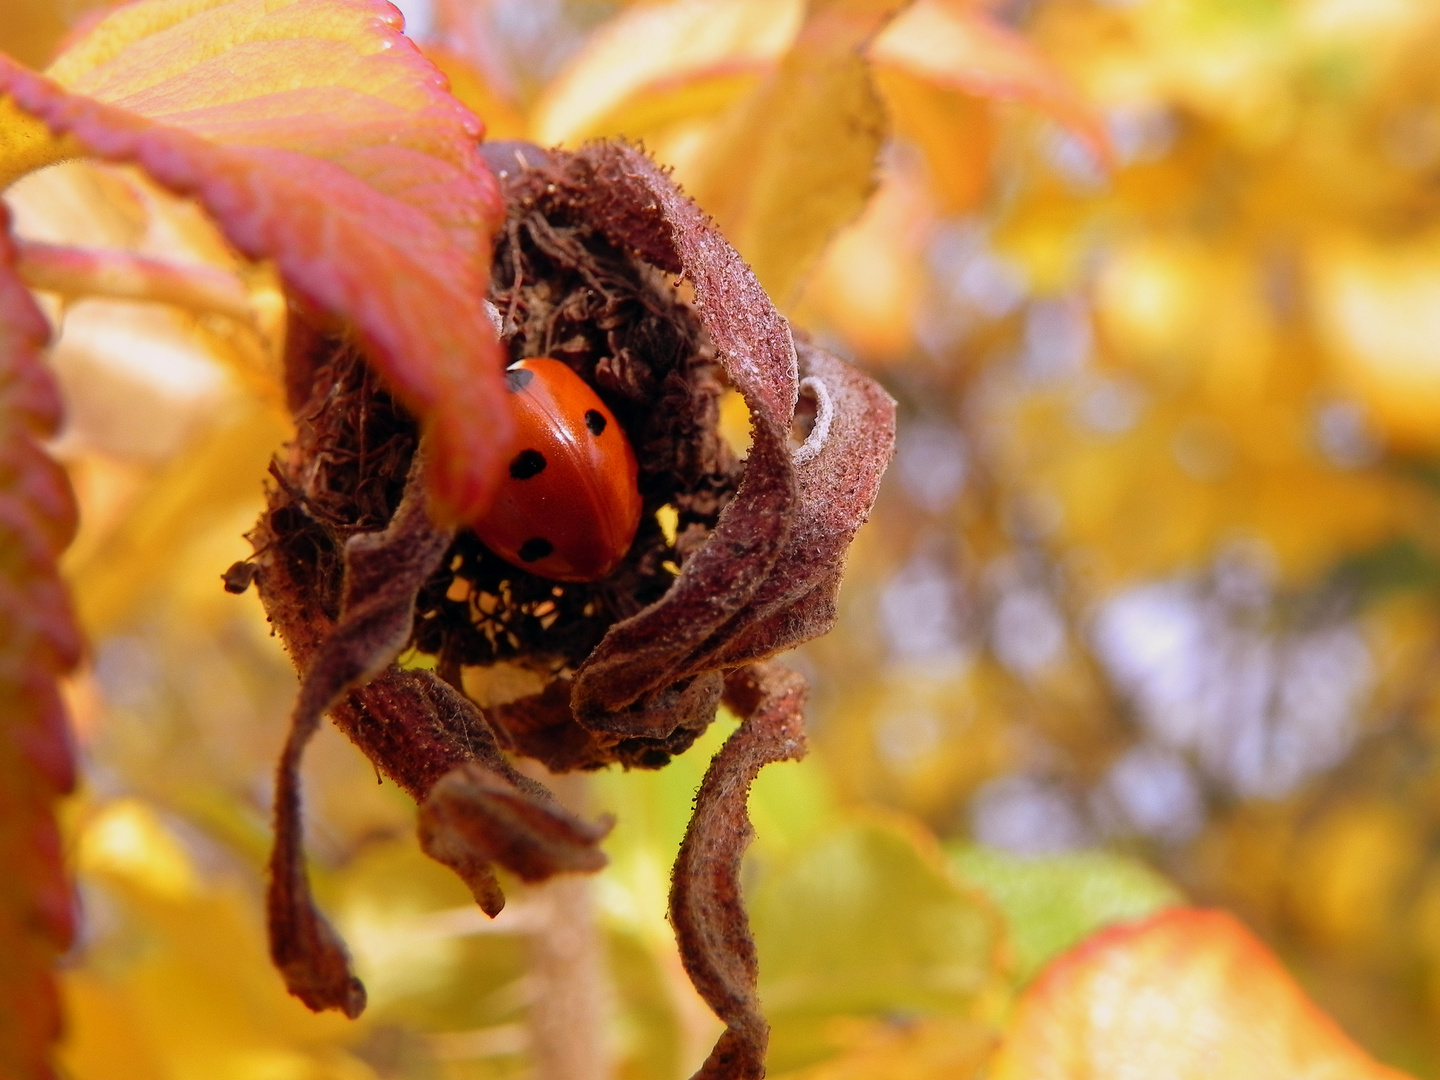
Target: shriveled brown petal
x: 706, y: 907
x: 424, y: 734
x: 839, y: 469
x: 659, y: 712
x: 541, y: 726
x: 646, y: 734
x: 476, y: 816
x: 433, y: 741
x: 304, y: 946
x: 768, y: 576
x: 452, y: 849
x: 416, y: 728
x: 383, y: 572
x: 641, y: 209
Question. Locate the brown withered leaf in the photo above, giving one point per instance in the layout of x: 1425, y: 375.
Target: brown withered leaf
x: 766, y: 578
x: 838, y: 470
x: 706, y: 907
x: 38, y: 642
x: 383, y: 572
x: 635, y: 203
x: 476, y: 816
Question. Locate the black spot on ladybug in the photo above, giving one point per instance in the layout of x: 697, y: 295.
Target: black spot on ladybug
x: 517, y: 380
x: 527, y: 463
x: 594, y: 421
x: 535, y: 549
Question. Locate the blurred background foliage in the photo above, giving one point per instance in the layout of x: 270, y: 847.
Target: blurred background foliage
x: 1148, y: 612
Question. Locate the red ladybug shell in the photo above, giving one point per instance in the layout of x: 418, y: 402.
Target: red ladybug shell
x: 570, y: 506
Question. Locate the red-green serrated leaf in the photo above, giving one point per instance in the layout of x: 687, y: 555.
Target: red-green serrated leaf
x: 38, y: 640
x: 1187, y: 995
x: 316, y: 135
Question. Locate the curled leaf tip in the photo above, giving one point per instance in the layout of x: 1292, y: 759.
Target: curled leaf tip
x: 706, y: 906
x: 477, y: 815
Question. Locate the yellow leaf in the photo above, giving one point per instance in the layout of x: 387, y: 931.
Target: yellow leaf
x: 1378, y: 308
x: 954, y: 129
x: 871, y: 277
x: 965, y: 48
x: 32, y: 28
x: 26, y: 144
x: 1347, y: 872
x: 127, y: 839
x: 212, y: 483
x: 795, y: 161
x: 864, y: 921
x: 658, y: 63
x: 921, y: 735
x: 928, y: 1048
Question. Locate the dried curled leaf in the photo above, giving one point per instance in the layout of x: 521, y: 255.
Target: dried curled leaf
x: 476, y: 816
x: 766, y: 578
x: 38, y: 642
x: 838, y: 470
x: 316, y: 135
x: 383, y: 571
x: 706, y: 907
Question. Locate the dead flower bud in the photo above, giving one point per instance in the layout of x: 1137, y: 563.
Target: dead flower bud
x: 578, y: 675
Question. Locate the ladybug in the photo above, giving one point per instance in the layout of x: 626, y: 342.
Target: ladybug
x: 571, y: 504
